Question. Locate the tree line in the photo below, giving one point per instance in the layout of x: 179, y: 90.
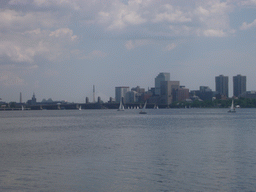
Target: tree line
x: 217, y: 103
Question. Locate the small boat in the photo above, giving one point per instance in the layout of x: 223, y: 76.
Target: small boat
x: 80, y: 108
x: 232, y: 108
x: 143, y: 109
x: 121, y: 106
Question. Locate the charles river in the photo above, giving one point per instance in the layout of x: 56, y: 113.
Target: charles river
x: 110, y: 150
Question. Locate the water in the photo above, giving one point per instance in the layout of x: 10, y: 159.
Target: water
x: 107, y: 150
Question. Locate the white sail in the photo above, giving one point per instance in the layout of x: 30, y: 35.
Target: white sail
x: 143, y: 109
x: 121, y: 106
x: 232, y: 108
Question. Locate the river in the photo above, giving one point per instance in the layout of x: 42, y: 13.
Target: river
x: 110, y: 150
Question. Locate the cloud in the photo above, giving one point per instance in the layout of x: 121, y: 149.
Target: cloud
x: 170, y: 47
x: 248, y: 2
x: 18, y: 21
x: 132, y: 44
x: 63, y: 33
x: 214, y: 33
x: 46, y: 3
x: 246, y: 26
x: 120, y: 18
x: 171, y: 14
x: 182, y: 30
x: 11, y: 75
x: 213, y: 18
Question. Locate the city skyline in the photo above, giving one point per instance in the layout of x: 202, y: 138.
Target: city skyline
x: 119, y: 89
x: 60, y: 49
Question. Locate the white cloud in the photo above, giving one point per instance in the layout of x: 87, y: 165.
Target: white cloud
x: 46, y: 3
x: 20, y: 21
x: 171, y: 14
x: 12, y: 75
x: 246, y: 26
x: 15, y: 52
x: 213, y: 18
x: 120, y: 18
x: 132, y: 44
x: 63, y: 33
x: 214, y: 33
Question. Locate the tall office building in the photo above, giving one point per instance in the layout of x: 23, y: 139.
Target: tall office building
x: 167, y: 91
x: 239, y: 85
x: 120, y: 92
x: 161, y: 77
x: 221, y: 83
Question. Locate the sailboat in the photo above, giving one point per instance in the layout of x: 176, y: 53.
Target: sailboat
x: 232, y: 108
x: 143, y: 109
x: 22, y: 108
x: 80, y: 108
x: 121, y: 106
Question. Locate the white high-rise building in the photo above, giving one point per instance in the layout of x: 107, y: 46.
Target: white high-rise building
x: 161, y: 77
x: 120, y: 92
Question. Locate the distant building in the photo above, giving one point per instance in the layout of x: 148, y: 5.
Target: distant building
x: 120, y: 93
x: 131, y: 97
x: 239, y: 85
x: 205, y: 93
x: 161, y: 77
x: 139, y: 94
x: 20, y: 97
x: 33, y: 100
x: 249, y: 94
x: 180, y: 94
x: 167, y: 91
x: 138, y: 89
x: 221, y: 83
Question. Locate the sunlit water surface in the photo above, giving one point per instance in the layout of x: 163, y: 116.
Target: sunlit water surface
x: 109, y: 150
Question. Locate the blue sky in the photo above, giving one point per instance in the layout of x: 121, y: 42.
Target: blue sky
x: 60, y: 49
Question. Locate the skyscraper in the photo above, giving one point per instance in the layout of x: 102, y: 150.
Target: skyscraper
x: 221, y: 83
x: 120, y: 93
x: 239, y: 85
x: 161, y: 77
x: 167, y: 91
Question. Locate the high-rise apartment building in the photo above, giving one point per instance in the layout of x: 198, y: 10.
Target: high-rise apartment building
x: 221, y: 83
x: 239, y: 85
x: 120, y: 92
x: 161, y: 77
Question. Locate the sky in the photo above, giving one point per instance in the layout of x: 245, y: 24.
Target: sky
x: 59, y: 49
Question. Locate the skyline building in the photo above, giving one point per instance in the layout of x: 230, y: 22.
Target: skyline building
x: 221, y: 84
x: 239, y: 85
x: 181, y: 94
x: 161, y: 77
x: 20, y: 97
x: 131, y: 96
x: 167, y: 91
x: 120, y: 93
